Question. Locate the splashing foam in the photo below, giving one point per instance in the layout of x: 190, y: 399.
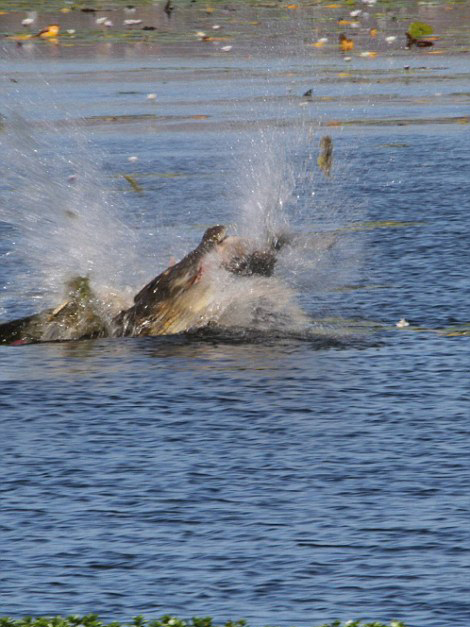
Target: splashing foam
x: 67, y: 225
x: 64, y: 222
x: 277, y: 183
x: 266, y: 184
x: 254, y: 303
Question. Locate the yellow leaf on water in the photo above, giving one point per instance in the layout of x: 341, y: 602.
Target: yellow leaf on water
x: 373, y: 32
x: 344, y: 75
x: 318, y: 44
x: 292, y: 7
x: 344, y: 22
x: 65, y: 10
x: 50, y: 31
x: 345, y: 43
x: 332, y: 6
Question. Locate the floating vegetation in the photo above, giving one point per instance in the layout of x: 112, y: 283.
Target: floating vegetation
x: 345, y: 43
x: 133, y: 183
x: 174, y: 22
x: 381, y: 224
x: 464, y: 119
x: 92, y: 620
x: 419, y: 29
x: 325, y: 158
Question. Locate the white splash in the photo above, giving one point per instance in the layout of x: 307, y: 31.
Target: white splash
x: 66, y: 224
x: 63, y: 221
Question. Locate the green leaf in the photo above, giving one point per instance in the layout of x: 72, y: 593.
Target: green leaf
x: 205, y: 621
x: 419, y: 29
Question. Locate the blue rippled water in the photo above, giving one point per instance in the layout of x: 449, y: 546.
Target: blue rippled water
x: 283, y: 479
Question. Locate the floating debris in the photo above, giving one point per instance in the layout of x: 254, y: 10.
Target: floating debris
x: 325, y: 158
x: 345, y: 43
x: 132, y: 22
x: 133, y: 159
x: 419, y: 29
x: 50, y: 31
x: 390, y: 39
x: 32, y: 15
x: 416, y: 31
x: 151, y: 96
x: 226, y: 48
x: 168, y: 8
x: 402, y: 323
x: 133, y: 183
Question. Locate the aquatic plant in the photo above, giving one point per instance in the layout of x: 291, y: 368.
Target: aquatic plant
x: 93, y: 620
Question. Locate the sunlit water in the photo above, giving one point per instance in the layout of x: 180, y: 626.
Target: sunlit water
x: 260, y: 472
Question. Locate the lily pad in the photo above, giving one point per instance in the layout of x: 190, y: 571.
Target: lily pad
x: 419, y: 29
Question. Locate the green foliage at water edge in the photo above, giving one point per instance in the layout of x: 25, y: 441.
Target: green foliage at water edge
x: 93, y: 620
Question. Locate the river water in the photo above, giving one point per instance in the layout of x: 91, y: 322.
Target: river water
x: 278, y: 475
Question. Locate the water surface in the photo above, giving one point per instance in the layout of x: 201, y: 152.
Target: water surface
x: 283, y: 477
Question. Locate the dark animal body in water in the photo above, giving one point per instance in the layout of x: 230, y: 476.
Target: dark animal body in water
x: 173, y: 302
